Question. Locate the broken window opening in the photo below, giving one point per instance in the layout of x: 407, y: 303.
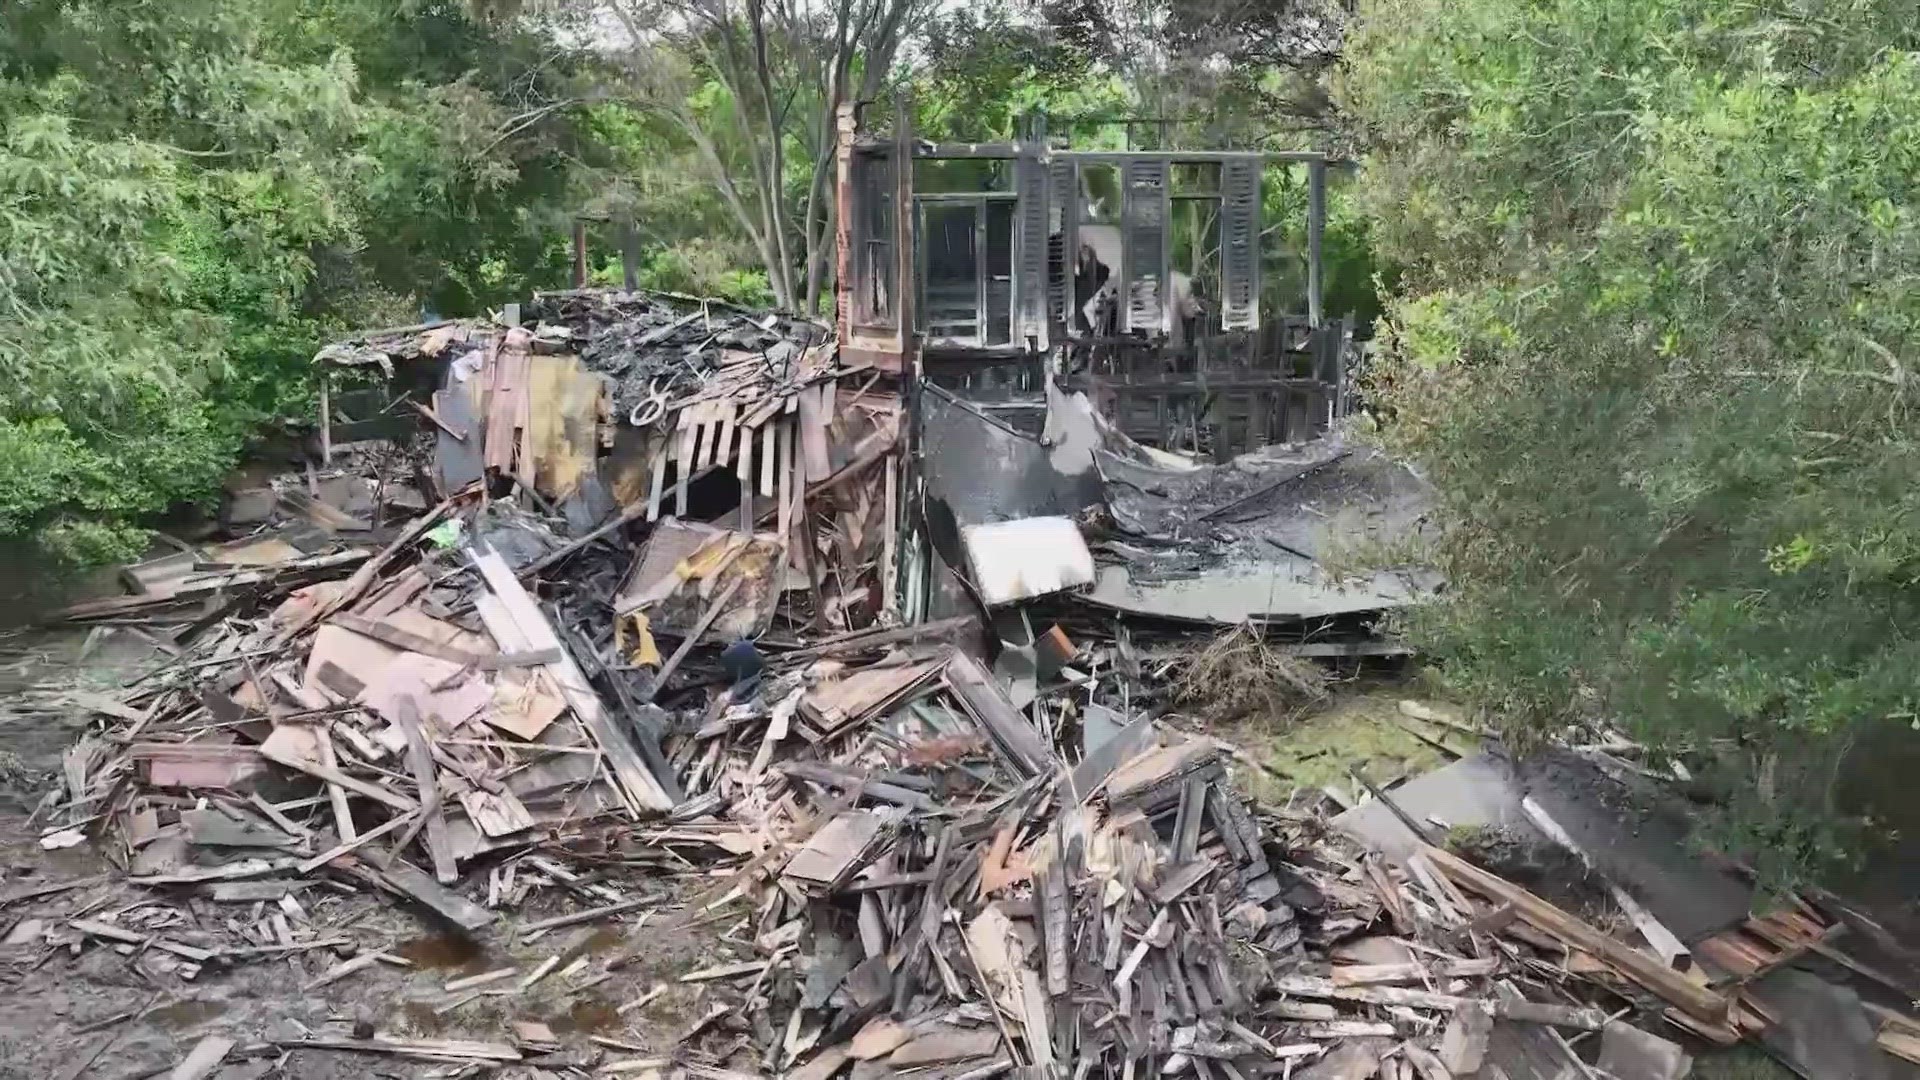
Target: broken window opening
x: 966, y: 270
x: 1099, y: 250
x: 950, y: 270
x: 1193, y: 288
x: 876, y: 266
x: 998, y: 289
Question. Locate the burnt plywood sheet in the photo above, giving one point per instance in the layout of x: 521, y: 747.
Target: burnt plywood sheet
x: 685, y: 564
x: 568, y: 403
x: 1822, y: 1031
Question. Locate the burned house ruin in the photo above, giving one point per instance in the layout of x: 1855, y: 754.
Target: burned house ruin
x: 1137, y: 272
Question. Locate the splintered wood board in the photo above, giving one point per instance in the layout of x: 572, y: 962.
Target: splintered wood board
x: 636, y: 780
x: 769, y: 450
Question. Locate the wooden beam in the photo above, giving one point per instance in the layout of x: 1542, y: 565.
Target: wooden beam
x: 1643, y: 968
x: 1664, y: 941
x: 420, y: 763
x: 686, y: 643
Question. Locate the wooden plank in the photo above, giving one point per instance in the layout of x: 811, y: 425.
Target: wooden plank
x: 439, y: 421
x: 720, y: 448
x: 420, y: 764
x: 96, y: 928
x: 943, y: 1043
x: 484, y: 978
x: 702, y: 444
x: 326, y: 418
x: 282, y: 753
x: 890, y: 527
x: 769, y: 448
x: 1020, y: 743
x: 1644, y: 968
x: 743, y: 472
x: 1901, y: 1044
x: 814, y: 415
x: 640, y: 787
x: 29, y: 892
x: 448, y: 904
x: 347, y: 847
x: 1464, y: 1044
x: 661, y: 447
x: 345, y: 968
x: 203, y: 1059
x: 1055, y: 910
x: 496, y: 813
x: 789, y: 482
x: 688, y: 433
x: 401, y: 638
x: 1363, y: 974
x: 541, y: 926
x: 441, y: 1050
x: 336, y: 794
x: 252, y: 892
x: 1533, y: 1012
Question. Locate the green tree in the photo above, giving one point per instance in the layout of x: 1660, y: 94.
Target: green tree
x: 754, y: 88
x: 192, y: 192
x: 1654, y: 344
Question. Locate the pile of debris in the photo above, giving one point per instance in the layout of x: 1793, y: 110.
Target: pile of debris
x: 940, y: 881
x: 947, y: 847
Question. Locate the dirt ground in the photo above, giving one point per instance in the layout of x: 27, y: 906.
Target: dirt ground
x: 82, y: 1009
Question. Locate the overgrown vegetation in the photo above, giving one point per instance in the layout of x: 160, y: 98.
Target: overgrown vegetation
x: 193, y: 192
x: 1653, y: 342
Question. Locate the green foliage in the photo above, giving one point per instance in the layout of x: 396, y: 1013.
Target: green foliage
x: 1653, y: 344
x: 986, y: 68
x: 194, y: 193
x: 696, y: 268
x: 1350, y: 271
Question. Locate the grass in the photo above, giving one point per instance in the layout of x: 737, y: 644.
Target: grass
x: 1357, y: 730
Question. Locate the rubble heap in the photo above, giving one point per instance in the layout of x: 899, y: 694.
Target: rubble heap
x: 933, y: 865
